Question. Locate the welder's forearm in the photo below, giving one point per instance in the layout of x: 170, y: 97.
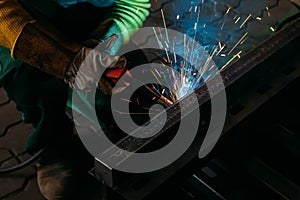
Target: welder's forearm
x: 37, y: 48
x: 35, y: 43
x: 13, y: 18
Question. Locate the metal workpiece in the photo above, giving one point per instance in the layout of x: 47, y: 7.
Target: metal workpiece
x: 255, y: 62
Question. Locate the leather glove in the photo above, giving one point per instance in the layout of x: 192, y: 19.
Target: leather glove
x: 87, y: 66
x: 49, y: 51
x: 43, y: 47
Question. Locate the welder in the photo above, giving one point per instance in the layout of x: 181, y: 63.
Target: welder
x: 42, y: 46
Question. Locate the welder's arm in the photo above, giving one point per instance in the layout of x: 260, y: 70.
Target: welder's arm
x: 124, y: 16
x: 13, y: 18
x: 29, y: 41
x: 43, y: 47
x: 130, y: 15
x: 36, y: 47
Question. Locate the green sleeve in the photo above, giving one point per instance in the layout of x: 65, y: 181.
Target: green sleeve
x: 130, y: 15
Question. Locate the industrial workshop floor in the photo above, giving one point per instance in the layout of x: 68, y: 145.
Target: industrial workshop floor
x: 22, y: 185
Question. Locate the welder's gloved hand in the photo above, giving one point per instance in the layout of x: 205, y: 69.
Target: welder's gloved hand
x: 106, y: 29
x: 89, y: 64
x: 47, y: 49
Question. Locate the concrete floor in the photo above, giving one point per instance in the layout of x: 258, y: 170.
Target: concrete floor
x: 20, y: 185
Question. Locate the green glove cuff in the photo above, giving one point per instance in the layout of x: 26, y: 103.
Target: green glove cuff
x: 114, y: 30
x: 130, y: 15
x: 7, y: 63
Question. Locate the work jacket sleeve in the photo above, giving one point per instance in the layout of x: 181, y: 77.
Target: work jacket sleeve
x: 13, y: 18
x: 33, y: 42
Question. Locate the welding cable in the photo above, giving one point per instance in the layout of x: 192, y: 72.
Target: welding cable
x: 22, y: 165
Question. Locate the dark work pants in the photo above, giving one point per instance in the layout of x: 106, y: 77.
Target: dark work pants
x: 42, y: 100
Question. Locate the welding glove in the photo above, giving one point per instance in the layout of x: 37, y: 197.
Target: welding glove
x: 51, y: 53
x: 85, y: 69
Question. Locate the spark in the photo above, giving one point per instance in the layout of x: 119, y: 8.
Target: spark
x: 156, y: 90
x: 272, y: 29
x: 158, y: 41
x: 243, y: 37
x: 155, y: 78
x: 238, y: 19
x: 174, y: 52
x: 267, y: 9
x: 220, y: 45
x: 126, y: 83
x: 165, y: 61
x: 157, y: 72
x: 184, y: 41
x: 177, y: 17
x: 154, y: 109
x: 207, y: 62
x: 226, y: 13
x: 169, y: 60
x: 166, y: 44
x: 127, y: 100
x: 229, y: 8
x: 165, y: 24
x: 244, y: 40
x: 221, y: 48
x: 160, y: 33
x: 211, y: 68
x: 232, y: 59
x: 245, y: 20
x: 175, y: 57
x: 259, y: 18
x: 137, y: 101
x: 164, y: 100
x: 195, y: 26
x: 133, y: 113
x: 128, y: 73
